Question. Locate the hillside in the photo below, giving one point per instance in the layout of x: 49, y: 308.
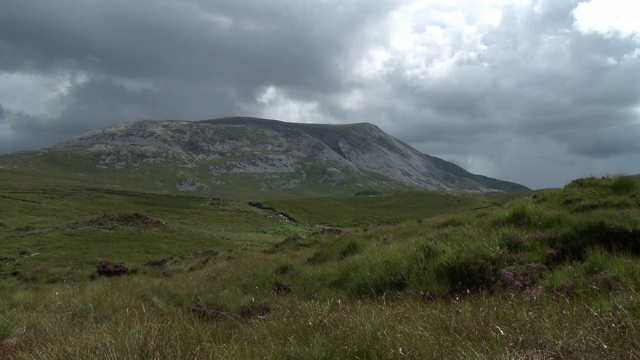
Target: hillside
x: 251, y: 158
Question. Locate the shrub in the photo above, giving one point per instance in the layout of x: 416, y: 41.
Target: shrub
x: 468, y: 272
x: 522, y: 276
x: 575, y: 242
x: 584, y: 183
x: 623, y: 185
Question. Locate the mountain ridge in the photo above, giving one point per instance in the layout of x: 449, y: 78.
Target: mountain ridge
x: 249, y: 157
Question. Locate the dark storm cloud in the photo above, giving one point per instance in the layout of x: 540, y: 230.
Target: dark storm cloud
x: 189, y: 59
x: 19, y: 128
x: 233, y: 43
x: 493, y: 96
x: 101, y: 100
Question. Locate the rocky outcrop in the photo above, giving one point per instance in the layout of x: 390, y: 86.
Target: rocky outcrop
x: 270, y: 155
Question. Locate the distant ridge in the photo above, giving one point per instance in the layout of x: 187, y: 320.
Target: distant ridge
x: 245, y: 157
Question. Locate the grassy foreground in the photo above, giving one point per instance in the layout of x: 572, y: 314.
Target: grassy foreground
x: 550, y: 274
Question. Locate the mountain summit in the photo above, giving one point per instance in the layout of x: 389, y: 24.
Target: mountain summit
x: 249, y: 157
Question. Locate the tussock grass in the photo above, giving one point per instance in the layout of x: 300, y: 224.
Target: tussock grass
x: 543, y: 276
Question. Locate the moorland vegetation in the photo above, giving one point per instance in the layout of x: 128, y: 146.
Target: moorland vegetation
x: 97, y: 272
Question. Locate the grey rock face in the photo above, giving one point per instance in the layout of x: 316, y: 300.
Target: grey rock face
x: 275, y: 154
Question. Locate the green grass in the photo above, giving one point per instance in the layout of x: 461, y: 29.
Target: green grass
x: 548, y: 274
x: 134, y: 174
x: 385, y: 209
x: 64, y: 230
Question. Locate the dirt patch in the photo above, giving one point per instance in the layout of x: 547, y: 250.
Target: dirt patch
x: 7, y: 346
x: 108, y: 267
x: 327, y: 231
x: 254, y: 310
x: 206, y: 311
x: 281, y: 288
x: 121, y: 219
x: 174, y: 260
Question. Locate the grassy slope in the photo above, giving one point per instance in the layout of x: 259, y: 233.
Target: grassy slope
x: 385, y: 209
x: 71, y: 226
x: 79, y: 167
x: 551, y: 274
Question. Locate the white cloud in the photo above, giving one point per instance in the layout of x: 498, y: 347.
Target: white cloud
x: 427, y: 39
x: 275, y: 104
x: 632, y: 56
x: 608, y: 17
x: 32, y: 94
x: 374, y: 63
x: 353, y: 100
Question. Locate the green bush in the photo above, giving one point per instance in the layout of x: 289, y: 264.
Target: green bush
x: 578, y: 239
x: 623, y: 185
x: 522, y: 276
x: 468, y: 272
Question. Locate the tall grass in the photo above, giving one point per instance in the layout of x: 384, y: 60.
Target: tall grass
x: 542, y: 277
x: 497, y: 326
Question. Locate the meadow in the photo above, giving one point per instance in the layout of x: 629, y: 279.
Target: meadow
x: 99, y: 272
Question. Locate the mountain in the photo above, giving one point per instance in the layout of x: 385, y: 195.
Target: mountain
x: 249, y: 157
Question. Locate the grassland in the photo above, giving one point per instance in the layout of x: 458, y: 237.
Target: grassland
x: 538, y: 275
x: 128, y: 170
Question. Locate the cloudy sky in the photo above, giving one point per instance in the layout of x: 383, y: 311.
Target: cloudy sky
x: 533, y: 91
